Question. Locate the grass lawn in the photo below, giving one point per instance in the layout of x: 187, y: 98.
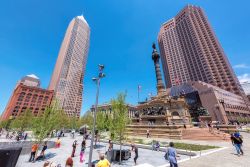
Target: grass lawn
x: 193, y: 147
x: 177, y: 145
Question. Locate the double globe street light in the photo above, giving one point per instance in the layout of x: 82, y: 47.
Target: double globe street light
x: 97, y: 81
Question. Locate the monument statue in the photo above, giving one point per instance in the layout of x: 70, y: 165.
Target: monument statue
x: 155, y: 56
x: 162, y: 109
x: 161, y: 114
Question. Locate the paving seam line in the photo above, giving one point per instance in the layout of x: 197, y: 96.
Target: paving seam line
x: 197, y: 156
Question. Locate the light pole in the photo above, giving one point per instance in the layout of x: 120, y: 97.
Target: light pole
x: 97, y: 81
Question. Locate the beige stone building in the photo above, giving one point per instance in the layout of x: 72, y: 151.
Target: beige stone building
x: 107, y: 108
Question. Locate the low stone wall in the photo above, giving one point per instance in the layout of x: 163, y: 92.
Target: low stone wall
x: 26, y: 145
x: 226, y: 128
x: 162, y: 149
x: 160, y: 131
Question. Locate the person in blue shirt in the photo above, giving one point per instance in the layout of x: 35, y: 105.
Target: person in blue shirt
x: 157, y: 146
x: 171, y: 152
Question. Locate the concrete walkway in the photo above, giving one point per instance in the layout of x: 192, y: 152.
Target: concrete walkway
x: 224, y: 158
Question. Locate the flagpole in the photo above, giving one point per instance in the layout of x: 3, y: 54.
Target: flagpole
x: 138, y: 89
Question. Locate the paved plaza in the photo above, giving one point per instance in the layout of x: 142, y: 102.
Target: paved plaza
x: 223, y: 157
x: 59, y: 155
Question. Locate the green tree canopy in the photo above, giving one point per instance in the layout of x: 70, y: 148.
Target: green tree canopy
x: 23, y: 121
x: 87, y: 119
x: 52, y: 118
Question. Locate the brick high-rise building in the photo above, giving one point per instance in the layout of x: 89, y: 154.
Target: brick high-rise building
x: 190, y: 51
x: 28, y: 95
x: 67, y: 78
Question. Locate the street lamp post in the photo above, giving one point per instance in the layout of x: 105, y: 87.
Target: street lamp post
x: 97, y: 80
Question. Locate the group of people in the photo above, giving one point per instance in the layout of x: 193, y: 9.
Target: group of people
x: 103, y: 162
x: 83, y: 147
x: 19, y: 135
x: 34, y: 150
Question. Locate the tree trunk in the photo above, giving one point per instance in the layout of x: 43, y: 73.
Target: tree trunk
x: 120, y: 149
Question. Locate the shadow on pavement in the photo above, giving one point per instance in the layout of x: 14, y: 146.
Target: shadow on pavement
x: 98, y: 146
x: 47, y: 157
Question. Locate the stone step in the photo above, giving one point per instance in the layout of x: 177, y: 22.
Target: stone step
x: 204, y: 134
x: 170, y: 136
x: 153, y: 130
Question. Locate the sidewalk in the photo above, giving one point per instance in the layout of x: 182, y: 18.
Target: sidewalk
x: 224, y: 158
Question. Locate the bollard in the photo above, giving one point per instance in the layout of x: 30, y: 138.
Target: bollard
x: 190, y: 152
x: 200, y: 149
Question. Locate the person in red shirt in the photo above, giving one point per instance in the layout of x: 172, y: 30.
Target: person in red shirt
x: 69, y: 162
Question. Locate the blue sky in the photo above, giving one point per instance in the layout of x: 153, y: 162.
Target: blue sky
x: 122, y: 32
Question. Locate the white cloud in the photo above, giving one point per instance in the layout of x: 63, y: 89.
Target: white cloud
x: 241, y: 66
x: 244, y: 78
x: 245, y: 82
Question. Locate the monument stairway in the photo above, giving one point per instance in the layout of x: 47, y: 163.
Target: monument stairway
x: 158, y: 131
x: 204, y: 134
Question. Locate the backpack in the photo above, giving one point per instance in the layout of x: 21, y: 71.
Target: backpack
x: 166, y: 155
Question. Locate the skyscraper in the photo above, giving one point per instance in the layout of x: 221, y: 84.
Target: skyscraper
x: 190, y: 51
x: 67, y: 78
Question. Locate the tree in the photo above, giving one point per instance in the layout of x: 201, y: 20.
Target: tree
x: 74, y: 122
x: 51, y: 119
x: 87, y: 119
x: 101, y: 123
x: 119, y: 119
x: 5, y: 123
x: 23, y: 121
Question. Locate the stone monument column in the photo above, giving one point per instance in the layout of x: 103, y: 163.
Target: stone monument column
x: 155, y: 57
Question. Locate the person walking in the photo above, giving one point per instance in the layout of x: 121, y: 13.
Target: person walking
x: 43, y: 149
x: 74, y: 148
x: 237, y: 143
x: 135, y: 149
x: 25, y: 136
x: 210, y: 126
x: 34, y: 148
x: 83, y: 147
x: 148, y: 133
x: 103, y: 162
x: 110, y: 145
x: 171, y: 154
x: 109, y: 152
